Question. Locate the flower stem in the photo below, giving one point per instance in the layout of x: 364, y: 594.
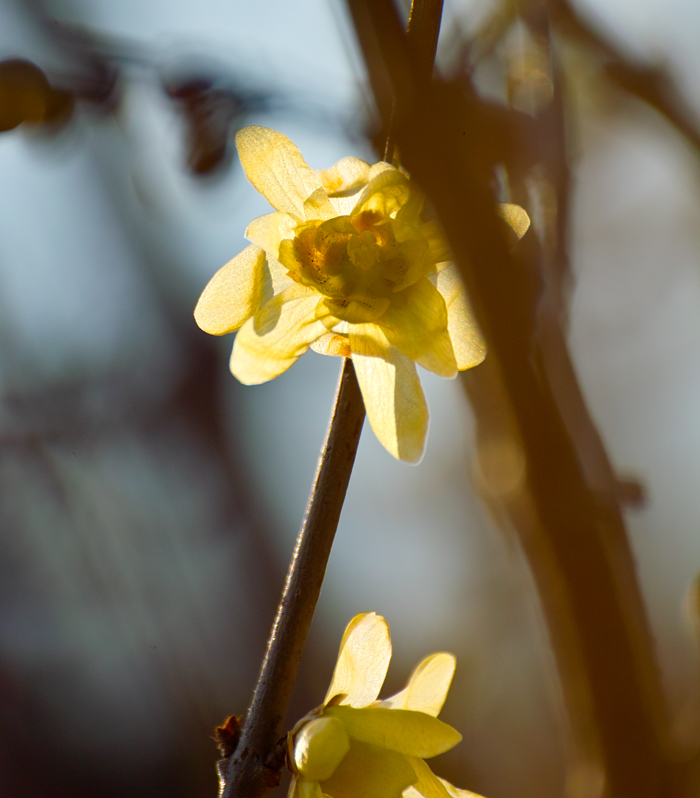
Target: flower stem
x: 253, y: 768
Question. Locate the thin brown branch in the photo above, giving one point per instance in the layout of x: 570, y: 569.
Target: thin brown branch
x: 441, y: 136
x: 253, y: 768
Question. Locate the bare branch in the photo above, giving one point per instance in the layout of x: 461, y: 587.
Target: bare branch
x: 254, y: 767
x: 441, y: 134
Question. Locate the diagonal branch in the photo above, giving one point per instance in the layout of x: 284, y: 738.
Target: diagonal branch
x: 254, y: 767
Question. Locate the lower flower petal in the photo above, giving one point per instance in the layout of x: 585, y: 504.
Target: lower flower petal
x: 309, y: 789
x: 428, y: 784
x: 402, y: 730
x: 391, y: 390
x: 332, y: 344
x: 234, y: 293
x: 468, y: 343
x: 370, y: 772
x: 279, y: 333
x: 416, y: 323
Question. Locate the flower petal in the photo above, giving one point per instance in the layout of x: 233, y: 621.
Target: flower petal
x: 428, y: 686
x: 403, y: 730
x: 439, y: 248
x: 428, y: 784
x: 370, y: 772
x: 308, y: 789
x: 318, y: 206
x: 363, y: 660
x: 467, y: 341
x: 348, y: 175
x: 279, y: 333
x: 391, y: 391
x: 319, y: 748
x: 277, y: 169
x: 267, y: 231
x: 457, y: 792
x: 387, y: 190
x: 416, y: 323
x: 332, y: 344
x: 234, y: 293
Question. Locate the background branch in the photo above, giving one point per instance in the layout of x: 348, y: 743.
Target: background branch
x: 597, y: 617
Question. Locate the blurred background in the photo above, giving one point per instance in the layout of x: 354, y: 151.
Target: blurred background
x: 149, y: 503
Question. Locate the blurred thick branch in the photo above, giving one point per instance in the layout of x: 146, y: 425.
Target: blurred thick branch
x: 566, y: 506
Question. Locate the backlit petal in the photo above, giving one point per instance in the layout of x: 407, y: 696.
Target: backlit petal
x: 386, y: 191
x: 332, y: 344
x: 439, y: 250
x: 456, y: 792
x: 416, y: 323
x: 391, y: 390
x: 346, y: 176
x: 272, y: 340
x: 428, y: 784
x: 363, y: 660
x: 308, y: 789
x: 467, y: 341
x: 318, y: 206
x: 267, y: 231
x: 369, y: 771
x: 428, y: 686
x: 410, y: 733
x: 277, y: 169
x: 234, y: 293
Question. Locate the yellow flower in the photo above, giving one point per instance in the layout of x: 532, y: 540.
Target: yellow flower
x: 349, y: 265
x: 354, y: 746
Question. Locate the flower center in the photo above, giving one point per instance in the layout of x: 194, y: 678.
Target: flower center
x: 366, y: 256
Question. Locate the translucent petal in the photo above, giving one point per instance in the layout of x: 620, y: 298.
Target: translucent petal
x: 416, y: 323
x: 318, y: 206
x: 456, y: 792
x: 279, y: 333
x: 386, y: 190
x: 370, y: 772
x: 319, y: 748
x: 515, y: 216
x: 233, y: 294
x: 439, y: 250
x: 332, y: 344
x: 308, y: 789
x: 343, y: 206
x: 403, y: 730
x: 293, y: 791
x: 267, y: 231
x: 363, y: 660
x: 277, y: 169
x: 356, y: 310
x: 468, y: 343
x: 345, y: 176
x: 391, y: 390
x: 428, y: 686
x: 428, y: 784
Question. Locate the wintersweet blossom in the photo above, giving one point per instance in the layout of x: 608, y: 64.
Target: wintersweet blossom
x: 354, y: 746
x: 350, y: 265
